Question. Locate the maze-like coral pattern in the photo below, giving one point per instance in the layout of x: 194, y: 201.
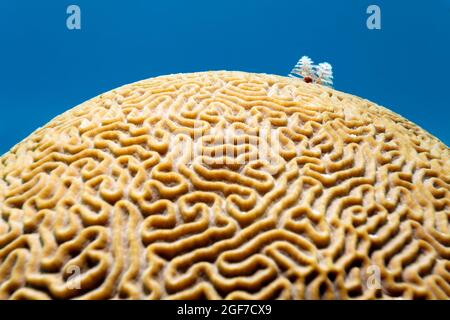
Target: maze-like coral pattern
x: 108, y: 202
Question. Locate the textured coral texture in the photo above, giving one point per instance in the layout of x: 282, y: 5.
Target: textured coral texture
x: 106, y: 201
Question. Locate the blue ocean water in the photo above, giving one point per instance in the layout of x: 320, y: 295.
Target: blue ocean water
x: 46, y: 69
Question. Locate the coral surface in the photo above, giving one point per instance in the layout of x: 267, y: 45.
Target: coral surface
x: 160, y: 190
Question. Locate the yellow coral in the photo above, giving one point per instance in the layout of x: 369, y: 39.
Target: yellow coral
x: 108, y: 200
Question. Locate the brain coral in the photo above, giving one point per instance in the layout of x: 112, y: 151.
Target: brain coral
x: 158, y: 190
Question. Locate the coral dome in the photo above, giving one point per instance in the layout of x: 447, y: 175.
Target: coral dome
x: 225, y: 185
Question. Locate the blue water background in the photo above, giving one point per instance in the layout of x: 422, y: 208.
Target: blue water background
x: 46, y: 69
